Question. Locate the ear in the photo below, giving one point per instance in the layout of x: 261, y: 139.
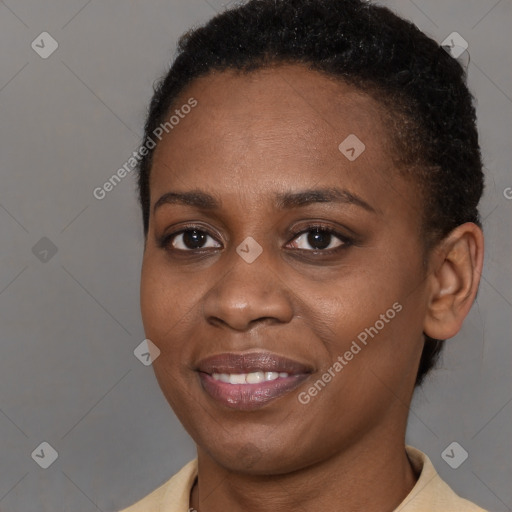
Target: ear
x: 456, y: 266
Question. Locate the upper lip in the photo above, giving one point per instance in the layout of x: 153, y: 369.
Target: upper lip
x: 231, y: 362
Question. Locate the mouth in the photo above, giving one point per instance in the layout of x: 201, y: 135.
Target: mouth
x: 250, y: 380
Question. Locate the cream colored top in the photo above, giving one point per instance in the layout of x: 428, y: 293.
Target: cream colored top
x: 430, y: 494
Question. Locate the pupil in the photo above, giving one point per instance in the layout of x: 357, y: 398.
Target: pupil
x: 194, y: 238
x: 319, y: 239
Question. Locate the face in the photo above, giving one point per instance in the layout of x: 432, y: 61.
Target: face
x: 287, y: 295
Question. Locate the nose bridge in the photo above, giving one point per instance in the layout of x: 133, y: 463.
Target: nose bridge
x: 250, y: 264
x: 249, y: 290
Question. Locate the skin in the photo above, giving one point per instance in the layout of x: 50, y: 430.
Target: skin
x: 250, y: 137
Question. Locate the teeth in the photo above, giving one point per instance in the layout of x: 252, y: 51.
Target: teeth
x: 255, y: 377
x: 237, y: 378
x: 249, y: 378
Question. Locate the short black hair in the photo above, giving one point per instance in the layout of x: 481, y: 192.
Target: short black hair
x: 421, y: 88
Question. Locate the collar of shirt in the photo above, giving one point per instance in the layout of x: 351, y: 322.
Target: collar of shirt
x: 430, y: 494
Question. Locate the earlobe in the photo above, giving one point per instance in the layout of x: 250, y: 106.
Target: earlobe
x: 456, y: 267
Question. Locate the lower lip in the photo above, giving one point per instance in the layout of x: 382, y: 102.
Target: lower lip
x: 246, y: 397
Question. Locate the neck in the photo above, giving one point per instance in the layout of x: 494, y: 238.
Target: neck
x: 372, y: 475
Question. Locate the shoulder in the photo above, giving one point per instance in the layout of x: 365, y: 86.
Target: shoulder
x: 172, y: 496
x: 431, y: 493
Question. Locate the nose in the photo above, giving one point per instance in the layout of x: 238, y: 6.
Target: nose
x: 248, y: 294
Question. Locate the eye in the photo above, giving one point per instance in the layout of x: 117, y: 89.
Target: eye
x: 188, y: 240
x: 320, y: 238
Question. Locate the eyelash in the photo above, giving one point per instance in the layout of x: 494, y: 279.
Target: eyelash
x: 165, y: 241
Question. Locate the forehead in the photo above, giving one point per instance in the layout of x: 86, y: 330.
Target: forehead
x: 270, y: 128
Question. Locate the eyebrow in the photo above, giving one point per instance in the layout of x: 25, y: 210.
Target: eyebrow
x: 322, y: 195
x: 287, y: 200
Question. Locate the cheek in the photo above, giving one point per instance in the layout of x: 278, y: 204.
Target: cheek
x: 165, y: 301
x: 166, y: 305
x: 154, y: 297
x: 372, y: 317
x: 351, y: 301
x: 368, y: 366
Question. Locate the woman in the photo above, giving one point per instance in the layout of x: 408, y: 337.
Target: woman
x: 309, y: 183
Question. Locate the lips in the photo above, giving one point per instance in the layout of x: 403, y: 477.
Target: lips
x: 250, y: 380
x: 251, y: 362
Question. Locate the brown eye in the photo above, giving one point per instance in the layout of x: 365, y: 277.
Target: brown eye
x: 189, y: 240
x: 320, y: 239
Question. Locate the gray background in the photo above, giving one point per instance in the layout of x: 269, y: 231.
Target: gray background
x: 70, y: 324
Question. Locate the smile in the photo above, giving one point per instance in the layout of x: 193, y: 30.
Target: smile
x: 249, y: 380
